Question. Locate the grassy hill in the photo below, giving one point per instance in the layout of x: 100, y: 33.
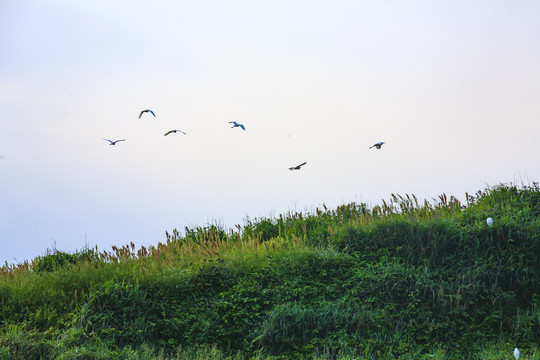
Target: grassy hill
x: 403, y: 280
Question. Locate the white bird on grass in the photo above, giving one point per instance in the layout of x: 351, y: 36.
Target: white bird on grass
x: 377, y: 145
x: 489, y: 221
x: 114, y: 142
x: 297, y: 167
x: 150, y: 111
x: 174, y: 131
x: 235, y: 124
x: 516, y: 353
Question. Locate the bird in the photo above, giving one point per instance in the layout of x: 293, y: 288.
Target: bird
x: 114, y: 142
x: 173, y: 131
x: 489, y: 221
x: 297, y: 167
x: 235, y: 124
x: 516, y: 353
x: 150, y: 111
x: 377, y: 145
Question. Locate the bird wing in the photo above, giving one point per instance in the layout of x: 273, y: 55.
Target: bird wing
x: 151, y: 112
x: 233, y: 122
x: 142, y: 112
x: 302, y: 164
x: 182, y: 132
x: 120, y: 140
x: 108, y: 140
x: 168, y: 132
x: 242, y: 126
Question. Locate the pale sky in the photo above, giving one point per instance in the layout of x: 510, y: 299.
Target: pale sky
x: 452, y: 87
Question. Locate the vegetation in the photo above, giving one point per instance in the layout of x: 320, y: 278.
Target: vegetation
x: 403, y: 280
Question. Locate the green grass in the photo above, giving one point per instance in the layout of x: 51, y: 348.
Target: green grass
x: 401, y: 280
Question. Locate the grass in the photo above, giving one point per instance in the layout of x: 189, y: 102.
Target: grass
x: 404, y: 279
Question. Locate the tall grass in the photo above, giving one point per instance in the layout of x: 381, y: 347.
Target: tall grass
x: 404, y: 279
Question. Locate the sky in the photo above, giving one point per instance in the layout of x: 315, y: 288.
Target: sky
x: 451, y: 87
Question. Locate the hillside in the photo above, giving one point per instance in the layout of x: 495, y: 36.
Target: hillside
x: 403, y: 279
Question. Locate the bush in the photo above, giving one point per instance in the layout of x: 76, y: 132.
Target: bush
x: 58, y: 259
x: 119, y: 312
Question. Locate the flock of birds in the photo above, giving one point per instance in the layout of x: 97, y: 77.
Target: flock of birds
x: 235, y: 124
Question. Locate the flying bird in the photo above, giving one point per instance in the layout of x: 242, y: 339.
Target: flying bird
x: 297, y: 167
x: 173, y: 131
x: 114, y: 142
x: 377, y: 145
x: 150, y: 111
x: 235, y: 124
